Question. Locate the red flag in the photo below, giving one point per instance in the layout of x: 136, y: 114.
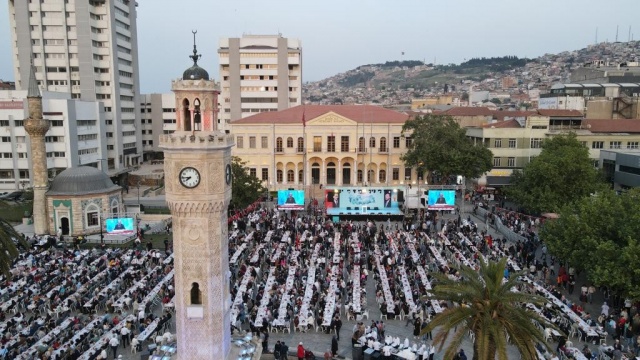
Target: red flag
x: 304, y: 122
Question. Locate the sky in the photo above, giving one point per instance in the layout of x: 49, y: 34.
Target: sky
x: 340, y: 35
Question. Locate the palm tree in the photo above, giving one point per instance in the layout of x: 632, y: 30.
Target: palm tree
x: 490, y: 310
x: 8, y: 249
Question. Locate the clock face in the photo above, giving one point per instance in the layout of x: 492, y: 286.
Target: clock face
x: 227, y: 174
x: 189, y: 177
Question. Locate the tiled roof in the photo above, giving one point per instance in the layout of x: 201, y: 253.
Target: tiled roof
x: 503, y: 124
x: 469, y: 111
x: 559, y: 112
x: 358, y: 113
x: 612, y: 125
x: 501, y: 115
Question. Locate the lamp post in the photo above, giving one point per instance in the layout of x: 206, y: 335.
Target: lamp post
x: 138, y: 186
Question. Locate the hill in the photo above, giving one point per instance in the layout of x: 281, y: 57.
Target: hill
x: 396, y: 82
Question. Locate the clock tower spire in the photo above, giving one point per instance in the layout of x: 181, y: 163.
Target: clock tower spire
x: 197, y: 157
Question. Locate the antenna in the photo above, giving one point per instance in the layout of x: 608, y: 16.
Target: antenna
x: 616, y: 33
x: 629, y: 36
x: 596, y: 35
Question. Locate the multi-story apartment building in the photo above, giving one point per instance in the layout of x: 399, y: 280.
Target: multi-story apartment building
x: 158, y: 113
x: 87, y: 49
x: 258, y: 73
x: 340, y: 145
x: 76, y: 136
x: 515, y: 142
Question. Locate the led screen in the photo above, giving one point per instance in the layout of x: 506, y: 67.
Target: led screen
x: 291, y: 199
x: 441, y: 199
x: 120, y: 226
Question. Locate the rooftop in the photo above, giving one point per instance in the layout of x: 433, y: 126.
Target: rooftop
x: 629, y: 126
x: 82, y: 180
x: 368, y: 114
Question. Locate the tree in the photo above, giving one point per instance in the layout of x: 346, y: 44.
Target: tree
x: 245, y: 187
x: 440, y: 144
x: 9, y: 238
x: 496, y: 101
x: 603, y: 229
x: 561, y: 174
x: 490, y: 310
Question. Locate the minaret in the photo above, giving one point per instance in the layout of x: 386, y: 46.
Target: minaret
x: 197, y: 169
x: 37, y: 127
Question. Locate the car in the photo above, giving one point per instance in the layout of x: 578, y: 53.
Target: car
x: 14, y: 196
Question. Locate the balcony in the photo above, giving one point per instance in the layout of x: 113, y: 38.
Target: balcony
x: 383, y: 150
x: 361, y: 150
x: 299, y: 150
x: 279, y: 150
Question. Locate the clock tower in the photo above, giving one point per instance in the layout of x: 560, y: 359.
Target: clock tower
x: 197, y: 161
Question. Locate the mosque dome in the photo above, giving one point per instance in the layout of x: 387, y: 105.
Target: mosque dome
x: 81, y: 180
x: 195, y: 73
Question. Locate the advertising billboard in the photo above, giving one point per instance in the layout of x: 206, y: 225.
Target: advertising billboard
x: 360, y: 201
x: 291, y: 199
x: 441, y: 199
x: 120, y: 226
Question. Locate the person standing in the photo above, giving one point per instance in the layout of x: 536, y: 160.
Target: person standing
x: 284, y: 351
x: 114, y: 345
x: 334, y: 346
x: 124, y: 333
x: 416, y: 327
x: 300, y: 352
x: 276, y: 350
x: 338, y: 326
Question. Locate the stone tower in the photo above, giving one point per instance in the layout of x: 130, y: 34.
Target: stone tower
x: 37, y: 127
x: 197, y: 167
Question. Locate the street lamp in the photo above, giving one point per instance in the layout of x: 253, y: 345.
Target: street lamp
x: 138, y: 186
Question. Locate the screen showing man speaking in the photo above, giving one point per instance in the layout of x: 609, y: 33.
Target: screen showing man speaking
x: 291, y: 199
x: 441, y: 199
x: 120, y: 226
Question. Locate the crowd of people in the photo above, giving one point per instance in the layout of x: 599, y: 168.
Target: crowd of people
x: 70, y: 303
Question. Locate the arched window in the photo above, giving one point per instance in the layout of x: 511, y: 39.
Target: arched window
x: 279, y: 176
x: 372, y: 142
x: 92, y: 216
x: 186, y: 115
x: 290, y: 176
x: 289, y: 142
x: 114, y: 207
x: 196, y: 294
x: 383, y: 144
x: 301, y: 176
x: 359, y: 176
x: 197, y: 118
x: 370, y: 175
x: 300, y: 144
x: 361, y: 144
x: 382, y: 176
x: 279, y: 144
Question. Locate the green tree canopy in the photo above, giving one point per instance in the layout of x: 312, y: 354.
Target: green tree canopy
x: 490, y: 310
x: 561, y: 174
x: 599, y: 234
x: 245, y: 188
x: 8, y: 250
x: 439, y: 144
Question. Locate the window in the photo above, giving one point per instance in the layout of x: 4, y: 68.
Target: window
x: 407, y: 173
x: 344, y: 144
x: 300, y: 147
x: 331, y: 143
x: 289, y: 142
x: 290, y: 176
x: 252, y: 142
x: 279, y: 144
x: 4, y: 122
x: 253, y: 172
x: 615, y: 144
x: 359, y: 176
x: 372, y: 142
x: 630, y: 144
x: 7, y: 155
x: 496, y: 162
x: 383, y: 144
x: 382, y: 175
x: 196, y: 294
x: 511, y: 162
x: 497, y: 143
x: 317, y: 143
x: 279, y: 176
x: 24, y: 174
x: 265, y: 174
x: 536, y: 143
x: 407, y: 142
x: 597, y: 145
x: 396, y: 142
x: 395, y: 174
x: 361, y: 144
x: 92, y: 216
x: 240, y: 142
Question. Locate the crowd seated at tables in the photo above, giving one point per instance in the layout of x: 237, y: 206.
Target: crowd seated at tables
x: 60, y: 302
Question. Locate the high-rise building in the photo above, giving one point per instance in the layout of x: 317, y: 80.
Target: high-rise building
x: 88, y: 49
x: 158, y: 113
x: 258, y: 73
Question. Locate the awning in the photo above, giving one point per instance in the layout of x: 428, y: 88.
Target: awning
x: 498, y: 180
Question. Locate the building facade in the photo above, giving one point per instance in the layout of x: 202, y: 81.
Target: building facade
x: 76, y: 136
x: 621, y: 168
x: 258, y: 73
x: 334, y: 145
x: 87, y: 49
x: 158, y: 117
